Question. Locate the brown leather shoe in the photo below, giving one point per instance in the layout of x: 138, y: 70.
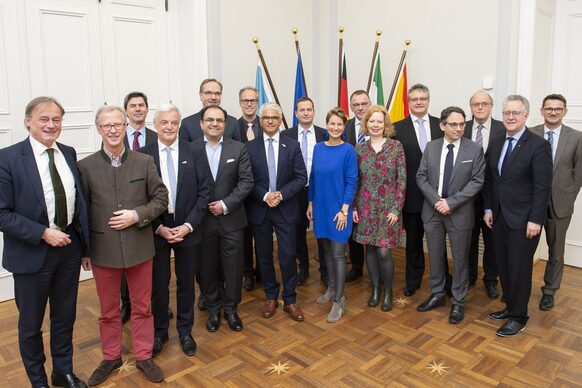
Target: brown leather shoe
x: 294, y: 312
x: 269, y: 308
x: 103, y: 371
x: 151, y: 370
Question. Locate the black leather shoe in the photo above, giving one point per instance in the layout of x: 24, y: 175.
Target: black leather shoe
x: 491, y: 291
x: 213, y: 322
x: 70, y: 381
x: 410, y: 290
x: 170, y: 313
x: 159, y: 345
x: 125, y: 312
x: 302, y: 276
x: 510, y: 328
x: 188, y: 345
x: 202, y: 302
x: 234, y: 321
x: 547, y: 302
x: 499, y: 315
x: 457, y: 314
x: 431, y: 303
x: 354, y: 274
x: 248, y: 283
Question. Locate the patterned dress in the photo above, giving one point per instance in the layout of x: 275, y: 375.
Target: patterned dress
x: 381, y: 190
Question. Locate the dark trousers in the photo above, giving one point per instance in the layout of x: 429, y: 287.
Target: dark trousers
x: 221, y: 267
x: 301, y: 250
x: 414, y: 249
x: 56, y: 282
x: 556, y: 229
x: 184, y: 268
x: 489, y: 263
x: 263, y: 235
x: 514, y: 253
x: 248, y: 268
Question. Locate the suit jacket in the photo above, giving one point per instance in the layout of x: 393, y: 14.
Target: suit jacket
x: 23, y: 213
x: 291, y: 178
x: 523, y: 191
x: 242, y: 126
x: 293, y: 133
x: 350, y: 132
x: 192, y: 193
x: 234, y: 181
x: 467, y: 179
x: 135, y: 185
x: 150, y: 137
x: 497, y: 129
x: 190, y: 129
x: 567, y: 171
x: 405, y: 134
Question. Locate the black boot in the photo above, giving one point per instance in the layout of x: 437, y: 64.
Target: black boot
x: 387, y: 301
x: 375, y: 297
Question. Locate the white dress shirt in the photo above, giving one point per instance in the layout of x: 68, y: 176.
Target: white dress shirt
x: 486, y: 132
x: 275, y: 148
x: 426, y: 124
x: 444, y: 153
x: 556, y: 139
x: 164, y: 169
x: 311, y: 141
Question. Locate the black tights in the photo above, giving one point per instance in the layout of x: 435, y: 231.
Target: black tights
x: 379, y: 261
x: 335, y: 258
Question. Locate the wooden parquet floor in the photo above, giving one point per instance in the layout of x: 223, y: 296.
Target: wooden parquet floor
x: 367, y: 347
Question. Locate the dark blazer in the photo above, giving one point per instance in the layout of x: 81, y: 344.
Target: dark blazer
x: 234, y: 181
x: 523, y: 191
x: 293, y: 133
x: 23, y: 213
x: 350, y: 132
x: 497, y: 129
x: 242, y: 126
x: 406, y: 135
x: 192, y: 193
x: 151, y: 137
x: 190, y: 129
x: 291, y: 178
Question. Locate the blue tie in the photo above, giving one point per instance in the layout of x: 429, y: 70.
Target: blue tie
x: 304, y: 146
x: 171, y: 175
x: 361, y: 137
x: 551, y: 141
x: 272, y: 167
x: 507, y: 153
x: 448, y: 171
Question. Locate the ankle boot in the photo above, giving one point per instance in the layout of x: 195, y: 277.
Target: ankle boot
x: 387, y: 301
x: 375, y: 297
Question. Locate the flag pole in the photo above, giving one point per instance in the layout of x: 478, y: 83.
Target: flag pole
x: 378, y: 34
x: 256, y: 42
x: 395, y: 83
x: 339, y: 61
x: 294, y: 31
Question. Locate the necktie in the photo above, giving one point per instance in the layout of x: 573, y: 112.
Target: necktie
x: 479, y: 138
x: 421, y: 134
x: 361, y: 137
x: 271, y: 166
x: 448, y: 171
x: 61, y: 219
x: 507, y: 153
x: 304, y: 146
x: 171, y: 175
x: 250, y: 133
x: 551, y: 141
x: 135, y: 145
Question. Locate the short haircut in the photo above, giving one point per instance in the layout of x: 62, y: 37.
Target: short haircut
x: 135, y: 95
x: 481, y: 91
x: 35, y: 102
x: 517, y: 97
x: 270, y: 105
x: 554, y: 97
x: 337, y: 111
x: 109, y: 108
x: 206, y: 108
x: 359, y: 92
x: 208, y: 80
x: 302, y: 99
x: 418, y: 88
x: 450, y: 110
x: 388, y: 127
x: 240, y: 92
x: 167, y: 107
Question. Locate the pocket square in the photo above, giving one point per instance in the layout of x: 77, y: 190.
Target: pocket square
x: 467, y: 161
x: 230, y: 161
x: 184, y: 162
x: 284, y: 145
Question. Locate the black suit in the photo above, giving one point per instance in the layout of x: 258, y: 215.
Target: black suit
x: 413, y: 203
x: 520, y: 195
x: 489, y: 265
x: 242, y: 126
x: 190, y: 129
x: 192, y: 193
x: 291, y: 179
x: 223, y: 234
x: 41, y: 273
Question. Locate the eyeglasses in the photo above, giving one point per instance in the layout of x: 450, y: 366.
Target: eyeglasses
x: 249, y: 101
x: 549, y: 110
x: 512, y: 113
x: 109, y: 127
x: 210, y: 120
x: 358, y: 105
x: 270, y: 118
x: 418, y: 99
x: 208, y: 93
x: 457, y: 125
x: 481, y: 104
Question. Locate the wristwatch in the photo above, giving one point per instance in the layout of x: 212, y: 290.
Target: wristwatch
x: 344, y: 212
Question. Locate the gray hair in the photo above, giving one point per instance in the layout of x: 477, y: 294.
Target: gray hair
x: 41, y: 101
x: 107, y: 109
x: 271, y: 105
x: 517, y: 97
x: 481, y: 91
x: 420, y: 88
x: 167, y: 107
x: 247, y: 88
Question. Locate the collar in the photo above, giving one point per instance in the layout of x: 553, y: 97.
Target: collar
x: 311, y: 129
x: 425, y: 118
x: 556, y: 131
x: 486, y: 124
x: 38, y: 148
x: 131, y: 130
x: 173, y: 146
x: 108, y: 157
x: 517, y: 136
x: 275, y: 137
x: 456, y: 143
x: 207, y: 142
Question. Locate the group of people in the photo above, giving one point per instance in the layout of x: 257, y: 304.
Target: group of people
x: 214, y: 189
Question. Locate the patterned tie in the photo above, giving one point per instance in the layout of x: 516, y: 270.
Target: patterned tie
x: 421, y: 134
x: 61, y: 218
x: 361, y: 136
x: 507, y: 153
x: 271, y: 166
x: 171, y: 175
x: 250, y: 132
x: 551, y: 141
x: 135, y: 145
x: 479, y: 138
x: 304, y: 146
x: 448, y: 171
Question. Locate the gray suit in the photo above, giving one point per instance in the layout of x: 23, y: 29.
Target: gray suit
x: 566, y: 183
x: 467, y: 178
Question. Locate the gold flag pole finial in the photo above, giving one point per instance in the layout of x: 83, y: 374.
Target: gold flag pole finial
x: 407, y: 42
x: 378, y: 34
x: 341, y: 31
x: 256, y: 41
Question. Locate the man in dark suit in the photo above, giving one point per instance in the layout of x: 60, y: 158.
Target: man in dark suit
x: 43, y: 216
x: 483, y: 129
x: 210, y: 95
x: 307, y: 135
x: 517, y: 190
x: 221, y: 261
x: 566, y: 145
x: 414, y: 132
x: 359, y: 104
x: 450, y: 175
x: 176, y: 229
x: 280, y: 175
x: 250, y: 128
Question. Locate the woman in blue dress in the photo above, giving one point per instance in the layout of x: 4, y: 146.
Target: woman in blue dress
x: 332, y: 184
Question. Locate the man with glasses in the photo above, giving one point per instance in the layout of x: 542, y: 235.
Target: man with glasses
x: 518, y: 179
x: 210, y: 95
x: 482, y: 129
x: 450, y: 175
x: 566, y: 145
